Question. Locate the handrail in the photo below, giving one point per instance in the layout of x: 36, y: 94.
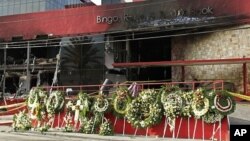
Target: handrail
x: 94, y: 89
x: 98, y: 85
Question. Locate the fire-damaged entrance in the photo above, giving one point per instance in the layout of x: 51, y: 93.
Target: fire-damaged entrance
x: 119, y: 48
x: 151, y: 50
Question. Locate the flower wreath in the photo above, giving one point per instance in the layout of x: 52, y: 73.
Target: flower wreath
x: 149, y: 96
x: 36, y: 112
x: 212, y: 116
x: 21, y: 121
x: 172, y: 105
x: 87, y: 127
x: 106, y: 129
x: 55, y: 102
x: 90, y: 126
x: 35, y: 95
x: 169, y: 89
x: 224, y: 103
x: 121, y: 100
x: 84, y: 100
x: 144, y: 111
x: 187, y: 98
x: 101, y: 104
x: 34, y: 102
x: 33, y: 98
x: 200, y: 104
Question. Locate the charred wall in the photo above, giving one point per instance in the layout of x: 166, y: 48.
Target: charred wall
x: 218, y: 45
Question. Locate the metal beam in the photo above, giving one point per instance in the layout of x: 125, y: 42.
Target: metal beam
x: 24, y: 67
x: 182, y: 63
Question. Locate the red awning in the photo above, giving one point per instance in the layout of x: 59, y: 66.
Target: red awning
x: 182, y: 63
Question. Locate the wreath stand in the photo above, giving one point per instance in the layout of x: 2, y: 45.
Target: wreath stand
x: 190, y: 128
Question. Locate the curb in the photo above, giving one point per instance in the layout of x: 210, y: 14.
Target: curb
x: 81, y: 136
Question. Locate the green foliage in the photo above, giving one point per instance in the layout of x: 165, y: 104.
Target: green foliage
x: 21, y: 122
x: 222, y: 102
x: 120, y: 101
x: 145, y: 110
x: 106, y: 129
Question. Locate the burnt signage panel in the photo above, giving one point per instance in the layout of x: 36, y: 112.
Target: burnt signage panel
x: 120, y: 17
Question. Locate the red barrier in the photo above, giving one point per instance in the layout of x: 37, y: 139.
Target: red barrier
x: 185, y: 128
x: 11, y: 110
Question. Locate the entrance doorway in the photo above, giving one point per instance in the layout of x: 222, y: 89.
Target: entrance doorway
x: 151, y: 50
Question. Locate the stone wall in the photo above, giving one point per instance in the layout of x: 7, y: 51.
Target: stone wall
x: 223, y: 44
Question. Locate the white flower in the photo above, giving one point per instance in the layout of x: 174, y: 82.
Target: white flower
x: 144, y: 97
x: 142, y: 124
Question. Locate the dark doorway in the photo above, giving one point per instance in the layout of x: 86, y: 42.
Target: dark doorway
x: 151, y: 50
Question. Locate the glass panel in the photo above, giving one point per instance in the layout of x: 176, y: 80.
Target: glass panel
x: 15, y: 70
x: 10, y: 8
x: 17, y: 7
x: 81, y: 61
x: 23, y: 6
x: 42, y: 5
x: 43, y: 55
x: 29, y: 6
x: 5, y: 10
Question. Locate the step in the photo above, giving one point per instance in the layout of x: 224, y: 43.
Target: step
x: 6, y: 120
x: 6, y: 117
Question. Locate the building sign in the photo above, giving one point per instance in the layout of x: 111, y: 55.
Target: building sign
x: 170, y: 14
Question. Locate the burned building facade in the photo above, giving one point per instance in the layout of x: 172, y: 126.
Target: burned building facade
x: 144, y: 41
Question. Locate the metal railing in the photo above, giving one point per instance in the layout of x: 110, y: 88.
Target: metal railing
x: 95, y: 89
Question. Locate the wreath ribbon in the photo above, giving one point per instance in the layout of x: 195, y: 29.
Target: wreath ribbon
x: 34, y: 111
x: 228, y: 106
x: 77, y: 109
